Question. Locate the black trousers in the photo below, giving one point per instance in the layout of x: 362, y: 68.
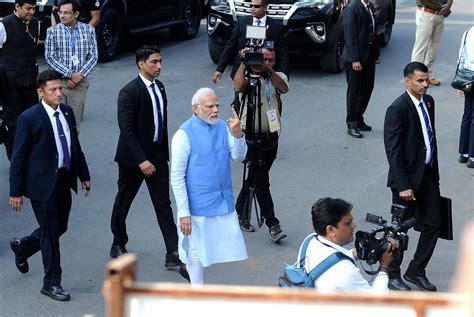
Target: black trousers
x: 52, y: 216
x: 26, y: 96
x: 261, y: 158
x: 427, y: 210
x: 129, y: 182
x: 466, y: 138
x: 359, y: 89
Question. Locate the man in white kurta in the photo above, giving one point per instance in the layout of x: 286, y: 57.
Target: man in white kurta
x: 208, y: 226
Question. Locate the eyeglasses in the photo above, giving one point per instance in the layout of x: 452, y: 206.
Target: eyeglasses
x: 65, y: 12
x: 256, y: 6
x: 209, y: 107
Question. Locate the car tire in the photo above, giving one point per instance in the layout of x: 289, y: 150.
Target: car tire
x: 109, y: 35
x: 191, y: 14
x: 215, y: 47
x: 384, y: 37
x: 331, y: 61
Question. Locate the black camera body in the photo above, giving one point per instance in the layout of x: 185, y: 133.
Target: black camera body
x: 255, y: 40
x: 371, y: 245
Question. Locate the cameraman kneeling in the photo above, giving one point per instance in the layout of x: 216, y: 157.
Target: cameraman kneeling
x: 334, y: 225
x: 263, y: 151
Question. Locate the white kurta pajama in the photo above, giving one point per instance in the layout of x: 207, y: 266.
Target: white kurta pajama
x: 216, y: 239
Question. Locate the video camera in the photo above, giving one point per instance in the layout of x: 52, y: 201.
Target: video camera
x: 371, y: 245
x: 255, y: 40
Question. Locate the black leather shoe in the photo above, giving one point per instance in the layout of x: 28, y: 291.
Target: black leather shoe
x: 354, y: 132
x: 172, y: 259
x: 276, y: 233
x: 364, y: 127
x: 463, y: 159
x: 470, y: 162
x: 20, y: 260
x: 420, y: 281
x: 183, y: 272
x: 246, y: 226
x: 117, y: 250
x: 397, y: 284
x: 56, y: 293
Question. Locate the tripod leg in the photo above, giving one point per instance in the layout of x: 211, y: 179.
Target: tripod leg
x: 247, y: 212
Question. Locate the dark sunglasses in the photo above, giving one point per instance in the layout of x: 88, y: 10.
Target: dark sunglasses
x: 256, y: 6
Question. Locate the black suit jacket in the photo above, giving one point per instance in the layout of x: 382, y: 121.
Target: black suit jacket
x: 34, y: 164
x: 137, y: 128
x: 404, y: 143
x: 236, y: 42
x: 357, y: 26
x: 10, y: 111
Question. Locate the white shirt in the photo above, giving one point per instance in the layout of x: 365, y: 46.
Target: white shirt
x: 180, y: 150
x: 344, y: 275
x: 3, y: 34
x: 50, y: 111
x: 155, y: 112
x: 429, y: 150
x: 263, y: 21
x: 369, y: 9
x: 466, y: 53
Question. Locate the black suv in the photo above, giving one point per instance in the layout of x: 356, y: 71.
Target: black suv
x: 123, y: 18
x: 314, y: 27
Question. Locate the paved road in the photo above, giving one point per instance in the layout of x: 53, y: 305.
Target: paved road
x: 316, y: 158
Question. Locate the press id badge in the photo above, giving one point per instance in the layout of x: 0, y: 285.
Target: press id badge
x: 75, y: 60
x: 273, y: 122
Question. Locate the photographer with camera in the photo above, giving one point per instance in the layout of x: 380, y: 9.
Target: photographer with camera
x: 263, y: 132
x: 334, y: 227
x: 274, y: 32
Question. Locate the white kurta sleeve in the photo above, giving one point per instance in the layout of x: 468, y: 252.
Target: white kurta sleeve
x: 3, y: 35
x: 238, y: 147
x: 180, y: 151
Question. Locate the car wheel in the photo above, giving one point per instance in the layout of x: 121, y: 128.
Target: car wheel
x: 191, y: 15
x: 109, y: 35
x: 331, y: 61
x: 384, y: 37
x: 215, y: 49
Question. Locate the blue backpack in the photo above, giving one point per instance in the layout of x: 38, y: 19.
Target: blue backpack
x: 296, y: 275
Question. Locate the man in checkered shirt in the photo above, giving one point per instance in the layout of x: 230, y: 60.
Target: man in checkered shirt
x: 71, y: 50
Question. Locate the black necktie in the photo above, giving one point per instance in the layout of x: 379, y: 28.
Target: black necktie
x: 62, y: 138
x: 158, y: 110
x: 428, y: 129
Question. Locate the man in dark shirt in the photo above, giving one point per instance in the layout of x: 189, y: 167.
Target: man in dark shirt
x: 19, y: 33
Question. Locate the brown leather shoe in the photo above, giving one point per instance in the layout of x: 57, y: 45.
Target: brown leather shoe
x: 434, y: 82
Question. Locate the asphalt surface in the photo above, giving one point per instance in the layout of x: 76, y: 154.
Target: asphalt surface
x: 316, y: 158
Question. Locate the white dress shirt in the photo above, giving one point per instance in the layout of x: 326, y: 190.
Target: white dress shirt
x: 426, y: 138
x: 50, y: 111
x: 343, y: 276
x: 216, y: 239
x: 466, y: 52
x: 155, y: 112
x: 3, y: 34
x: 263, y: 21
x: 369, y: 10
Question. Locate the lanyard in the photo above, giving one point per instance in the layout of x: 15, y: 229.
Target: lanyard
x: 268, y: 93
x: 72, y: 39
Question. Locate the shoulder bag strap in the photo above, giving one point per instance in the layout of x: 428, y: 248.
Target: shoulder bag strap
x: 304, y: 247
x: 327, y: 263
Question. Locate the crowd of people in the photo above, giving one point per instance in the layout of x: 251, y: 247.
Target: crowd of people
x: 47, y: 159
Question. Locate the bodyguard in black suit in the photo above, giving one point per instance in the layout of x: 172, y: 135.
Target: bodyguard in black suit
x: 47, y: 160
x: 361, y: 53
x: 410, y: 145
x: 275, y: 32
x: 142, y: 153
x: 8, y: 112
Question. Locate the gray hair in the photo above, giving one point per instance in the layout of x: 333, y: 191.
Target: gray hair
x: 197, y: 97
